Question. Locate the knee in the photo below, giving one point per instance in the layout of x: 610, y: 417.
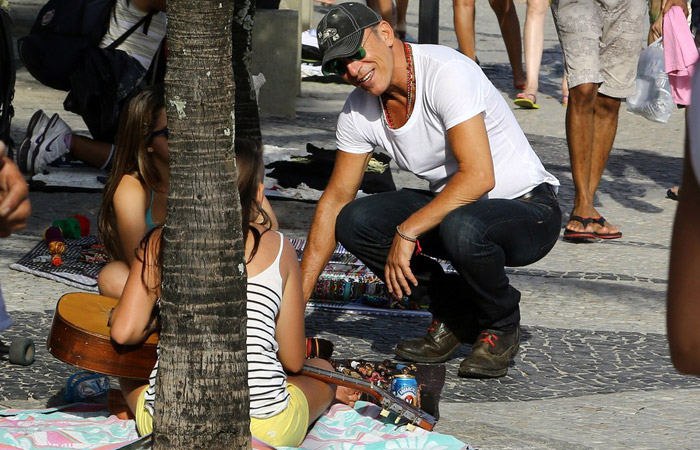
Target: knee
x: 537, y: 8
x: 463, y: 4
x: 112, y: 279
x: 607, y: 105
x: 462, y: 233
x: 352, y: 222
x: 583, y: 96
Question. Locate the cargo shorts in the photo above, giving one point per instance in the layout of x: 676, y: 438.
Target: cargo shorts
x: 601, y: 40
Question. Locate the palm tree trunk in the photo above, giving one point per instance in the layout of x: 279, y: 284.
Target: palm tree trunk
x: 247, y: 116
x: 202, y: 392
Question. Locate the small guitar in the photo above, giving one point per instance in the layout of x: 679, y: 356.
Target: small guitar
x: 389, y: 402
x: 80, y: 336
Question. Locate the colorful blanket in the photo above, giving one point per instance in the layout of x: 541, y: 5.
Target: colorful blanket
x: 89, y: 426
x: 76, y: 269
x: 77, y: 426
x: 362, y: 428
x: 345, y: 284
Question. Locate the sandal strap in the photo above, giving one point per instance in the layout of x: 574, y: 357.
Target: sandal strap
x: 585, y: 221
x: 600, y: 221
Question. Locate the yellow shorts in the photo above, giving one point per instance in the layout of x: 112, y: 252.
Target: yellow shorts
x: 288, y: 428
x: 144, y: 419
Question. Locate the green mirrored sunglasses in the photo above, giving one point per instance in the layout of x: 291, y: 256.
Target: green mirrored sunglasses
x: 338, y: 66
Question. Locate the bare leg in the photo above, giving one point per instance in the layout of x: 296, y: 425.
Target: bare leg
x: 385, y: 8
x: 579, y: 136
x: 90, y: 151
x: 534, y: 42
x: 510, y: 29
x: 604, y: 130
x: 112, y: 279
x: 131, y: 390
x: 464, y: 13
x: 319, y: 394
x: 401, y: 9
x: 564, y: 89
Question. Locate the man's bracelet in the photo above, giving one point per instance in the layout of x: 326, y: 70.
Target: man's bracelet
x: 406, y: 237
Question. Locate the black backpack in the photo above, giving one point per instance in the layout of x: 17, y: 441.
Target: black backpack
x: 62, y: 32
x: 7, y: 78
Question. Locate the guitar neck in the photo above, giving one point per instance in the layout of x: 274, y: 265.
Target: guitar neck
x: 388, y: 401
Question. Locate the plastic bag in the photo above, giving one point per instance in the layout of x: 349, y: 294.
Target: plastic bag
x: 652, y: 98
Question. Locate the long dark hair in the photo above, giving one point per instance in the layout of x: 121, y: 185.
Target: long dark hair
x: 136, y: 125
x: 251, y: 171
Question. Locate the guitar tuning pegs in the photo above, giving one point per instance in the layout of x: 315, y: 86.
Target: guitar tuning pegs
x: 398, y: 418
x: 384, y: 413
x: 410, y: 427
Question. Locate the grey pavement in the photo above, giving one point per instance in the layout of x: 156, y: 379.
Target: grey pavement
x: 593, y: 370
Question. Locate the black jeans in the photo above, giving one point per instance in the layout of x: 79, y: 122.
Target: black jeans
x: 479, y: 239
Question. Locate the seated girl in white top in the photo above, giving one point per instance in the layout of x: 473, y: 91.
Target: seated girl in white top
x: 282, y: 404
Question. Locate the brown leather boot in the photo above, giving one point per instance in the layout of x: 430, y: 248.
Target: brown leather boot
x: 491, y: 354
x: 434, y: 347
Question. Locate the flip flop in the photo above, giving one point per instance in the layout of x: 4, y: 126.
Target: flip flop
x: 527, y: 101
x: 672, y: 195
x: 601, y: 221
x: 573, y: 235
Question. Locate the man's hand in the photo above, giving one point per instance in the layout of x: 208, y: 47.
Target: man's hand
x: 397, y: 270
x: 14, y: 203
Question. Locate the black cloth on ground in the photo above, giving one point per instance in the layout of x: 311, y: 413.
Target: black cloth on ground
x: 315, y: 170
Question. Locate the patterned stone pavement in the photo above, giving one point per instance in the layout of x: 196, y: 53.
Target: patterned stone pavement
x: 593, y: 370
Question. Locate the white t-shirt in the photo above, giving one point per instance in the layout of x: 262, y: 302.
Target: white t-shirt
x: 138, y: 45
x: 450, y: 89
x: 693, y: 128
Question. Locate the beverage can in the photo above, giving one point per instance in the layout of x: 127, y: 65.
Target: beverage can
x: 405, y: 387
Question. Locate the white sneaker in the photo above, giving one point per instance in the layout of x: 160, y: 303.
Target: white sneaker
x: 44, y: 146
x: 37, y: 125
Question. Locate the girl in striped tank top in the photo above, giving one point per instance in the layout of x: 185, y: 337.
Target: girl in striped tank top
x: 282, y: 402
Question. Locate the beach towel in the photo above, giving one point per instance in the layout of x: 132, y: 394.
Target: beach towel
x: 89, y: 426
x: 77, y: 426
x: 362, y: 428
x: 680, y: 54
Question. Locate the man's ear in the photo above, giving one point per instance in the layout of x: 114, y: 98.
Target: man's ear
x: 386, y: 32
x: 149, y: 149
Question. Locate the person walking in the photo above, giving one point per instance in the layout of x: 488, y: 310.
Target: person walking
x: 601, y: 41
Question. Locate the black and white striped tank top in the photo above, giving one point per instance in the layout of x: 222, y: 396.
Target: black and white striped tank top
x: 266, y: 378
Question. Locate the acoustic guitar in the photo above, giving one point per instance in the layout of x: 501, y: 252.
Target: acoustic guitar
x: 80, y: 336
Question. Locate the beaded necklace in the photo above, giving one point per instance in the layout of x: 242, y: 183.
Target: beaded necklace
x: 410, y: 89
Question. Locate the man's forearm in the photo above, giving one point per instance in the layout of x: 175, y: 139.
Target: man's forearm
x: 319, y: 245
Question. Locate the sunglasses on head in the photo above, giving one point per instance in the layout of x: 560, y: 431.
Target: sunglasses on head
x: 338, y: 66
x: 164, y: 131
